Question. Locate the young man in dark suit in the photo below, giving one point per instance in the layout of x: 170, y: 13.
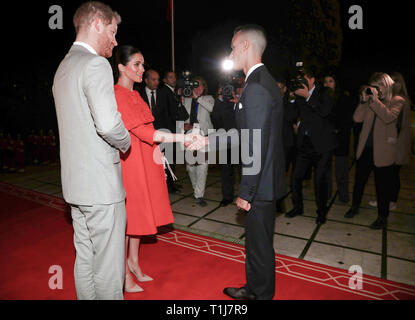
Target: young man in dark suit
x: 259, y: 117
x: 315, y: 144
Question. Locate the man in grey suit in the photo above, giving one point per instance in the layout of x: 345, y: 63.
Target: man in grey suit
x: 90, y: 132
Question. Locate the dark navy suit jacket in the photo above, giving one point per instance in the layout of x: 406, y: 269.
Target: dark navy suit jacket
x: 261, y: 107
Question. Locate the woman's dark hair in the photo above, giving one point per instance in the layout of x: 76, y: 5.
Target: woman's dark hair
x: 122, y: 55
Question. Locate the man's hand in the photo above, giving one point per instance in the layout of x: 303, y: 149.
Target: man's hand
x: 196, y: 93
x: 187, y: 127
x: 234, y: 99
x: 295, y: 127
x: 243, y: 204
x: 302, y: 92
x: 196, y: 142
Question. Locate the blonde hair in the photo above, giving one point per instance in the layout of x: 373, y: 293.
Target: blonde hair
x: 383, y: 79
x: 89, y: 11
x: 399, y: 88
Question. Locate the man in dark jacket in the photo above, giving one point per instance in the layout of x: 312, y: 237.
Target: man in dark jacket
x: 315, y: 144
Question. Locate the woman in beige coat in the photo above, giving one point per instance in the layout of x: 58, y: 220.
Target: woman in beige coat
x: 403, y: 150
x: 378, y: 110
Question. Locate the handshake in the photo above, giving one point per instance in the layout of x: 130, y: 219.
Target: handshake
x: 194, y: 141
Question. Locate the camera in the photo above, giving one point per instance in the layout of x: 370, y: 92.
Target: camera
x: 228, y: 87
x: 369, y: 92
x: 186, y: 84
x: 299, y: 80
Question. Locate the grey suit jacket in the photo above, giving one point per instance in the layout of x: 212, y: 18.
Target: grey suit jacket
x: 90, y: 129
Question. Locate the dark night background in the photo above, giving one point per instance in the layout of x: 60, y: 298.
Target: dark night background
x: 315, y: 31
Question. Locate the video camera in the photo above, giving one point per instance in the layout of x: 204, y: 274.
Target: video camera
x: 229, y: 86
x: 299, y: 80
x: 186, y: 84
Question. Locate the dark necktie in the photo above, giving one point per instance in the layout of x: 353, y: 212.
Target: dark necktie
x: 193, y: 112
x: 153, y: 101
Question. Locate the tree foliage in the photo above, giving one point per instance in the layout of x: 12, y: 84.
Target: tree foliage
x: 313, y: 33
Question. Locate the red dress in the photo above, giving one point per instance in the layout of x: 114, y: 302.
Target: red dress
x: 147, y: 199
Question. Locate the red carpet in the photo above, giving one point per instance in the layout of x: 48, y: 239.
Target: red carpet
x: 36, y: 233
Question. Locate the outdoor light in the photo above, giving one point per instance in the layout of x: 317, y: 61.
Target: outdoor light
x: 227, y: 65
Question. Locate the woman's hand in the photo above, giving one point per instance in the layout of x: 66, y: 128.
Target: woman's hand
x: 375, y: 92
x: 364, y: 96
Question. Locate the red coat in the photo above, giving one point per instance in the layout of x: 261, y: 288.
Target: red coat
x: 147, y: 198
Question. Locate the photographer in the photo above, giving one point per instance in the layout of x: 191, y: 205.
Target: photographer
x: 403, y: 126
x: 169, y: 101
x: 315, y: 142
x: 223, y: 117
x: 199, y: 106
x: 288, y: 130
x: 379, y: 109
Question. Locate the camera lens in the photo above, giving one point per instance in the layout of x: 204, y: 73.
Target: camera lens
x: 187, y: 92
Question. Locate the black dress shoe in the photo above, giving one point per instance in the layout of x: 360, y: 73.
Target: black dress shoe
x: 173, y: 190
x: 321, y: 219
x: 201, y: 202
x: 379, y: 223
x: 225, y: 202
x: 294, y: 212
x: 280, y: 206
x: 239, y: 293
x: 351, y: 212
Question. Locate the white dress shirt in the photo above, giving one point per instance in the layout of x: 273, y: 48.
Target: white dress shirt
x: 252, y: 69
x: 311, y: 93
x: 85, y: 45
x: 148, y: 92
x: 171, y: 88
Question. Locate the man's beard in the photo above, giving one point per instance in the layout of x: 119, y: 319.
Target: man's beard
x: 108, y: 52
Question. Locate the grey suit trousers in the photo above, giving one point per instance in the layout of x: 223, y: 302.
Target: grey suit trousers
x: 99, y: 239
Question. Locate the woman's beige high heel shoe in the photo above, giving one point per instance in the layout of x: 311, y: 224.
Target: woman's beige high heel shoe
x: 144, y: 278
x: 134, y: 289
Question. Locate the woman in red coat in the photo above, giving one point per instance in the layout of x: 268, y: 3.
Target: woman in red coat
x: 147, y: 199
